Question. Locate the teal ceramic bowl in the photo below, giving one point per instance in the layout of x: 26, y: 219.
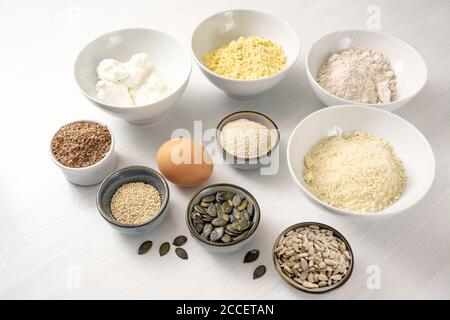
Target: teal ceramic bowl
x: 127, y: 175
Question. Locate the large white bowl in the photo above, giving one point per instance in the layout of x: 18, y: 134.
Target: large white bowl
x: 409, y: 144
x: 408, y: 65
x: 171, y: 59
x: 230, y: 25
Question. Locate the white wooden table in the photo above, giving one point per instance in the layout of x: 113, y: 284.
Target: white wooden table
x: 53, y: 242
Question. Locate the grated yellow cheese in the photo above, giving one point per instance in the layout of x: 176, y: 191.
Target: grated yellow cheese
x: 246, y: 58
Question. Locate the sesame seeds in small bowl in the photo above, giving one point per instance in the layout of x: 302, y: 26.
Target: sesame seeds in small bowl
x: 247, y: 139
x: 134, y: 199
x: 313, y: 257
x: 84, y: 151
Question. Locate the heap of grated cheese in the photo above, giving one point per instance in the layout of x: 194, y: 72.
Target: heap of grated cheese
x: 247, y: 58
x: 358, y: 172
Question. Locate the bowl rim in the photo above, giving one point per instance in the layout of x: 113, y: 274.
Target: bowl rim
x: 345, y: 101
x: 288, y: 64
x: 332, y: 209
x: 246, y: 159
x: 298, y: 286
x: 97, y: 164
x: 252, y: 230
x: 171, y: 92
x: 119, y: 171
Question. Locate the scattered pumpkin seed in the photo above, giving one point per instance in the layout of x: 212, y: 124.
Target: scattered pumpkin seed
x: 164, y: 249
x: 179, y: 241
x: 145, y: 247
x: 181, y: 253
x: 259, y: 272
x: 251, y: 256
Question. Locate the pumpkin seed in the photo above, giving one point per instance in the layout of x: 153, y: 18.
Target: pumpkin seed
x: 236, y: 201
x: 199, y: 209
x: 251, y: 256
x: 179, y: 241
x: 164, y: 249
x: 145, y: 247
x: 250, y: 208
x: 212, y: 210
x: 259, y: 272
x: 226, y: 207
x: 181, y: 253
x: 199, y: 227
x: 226, y: 238
x: 207, y: 229
x: 204, y: 204
x: 217, y: 234
x: 243, y: 205
x: 209, y: 198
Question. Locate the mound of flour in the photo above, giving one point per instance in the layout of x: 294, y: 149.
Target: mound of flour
x: 359, y: 74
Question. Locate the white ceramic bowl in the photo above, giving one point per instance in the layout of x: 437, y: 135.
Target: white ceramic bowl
x: 408, y: 65
x: 171, y: 59
x: 409, y: 144
x: 93, y: 174
x: 230, y: 25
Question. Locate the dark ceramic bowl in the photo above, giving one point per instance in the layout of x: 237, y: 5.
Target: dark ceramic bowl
x: 127, y: 175
x: 298, y: 286
x: 220, y: 247
x: 249, y: 163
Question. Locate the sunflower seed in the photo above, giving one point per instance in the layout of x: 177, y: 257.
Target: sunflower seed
x: 145, y: 247
x: 259, y: 272
x: 313, y: 256
x: 179, y: 241
x: 181, y: 253
x: 251, y: 256
x: 164, y: 249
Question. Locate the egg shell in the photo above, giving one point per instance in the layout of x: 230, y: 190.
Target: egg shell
x: 184, y: 162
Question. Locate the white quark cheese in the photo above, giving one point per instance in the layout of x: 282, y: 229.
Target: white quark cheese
x: 132, y: 83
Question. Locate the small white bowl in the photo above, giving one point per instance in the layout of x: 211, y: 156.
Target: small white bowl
x: 230, y: 25
x: 93, y: 174
x: 408, y: 65
x: 408, y: 142
x: 169, y: 57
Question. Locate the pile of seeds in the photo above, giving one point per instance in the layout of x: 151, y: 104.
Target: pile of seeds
x: 223, y: 217
x: 135, y: 203
x: 313, y: 257
x: 81, y: 144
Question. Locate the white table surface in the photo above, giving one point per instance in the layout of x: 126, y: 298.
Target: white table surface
x: 53, y: 242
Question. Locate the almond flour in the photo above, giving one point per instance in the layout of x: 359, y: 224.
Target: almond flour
x: 358, y: 172
x: 360, y: 75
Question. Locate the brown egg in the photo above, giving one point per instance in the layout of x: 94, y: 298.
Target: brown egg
x: 184, y: 162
